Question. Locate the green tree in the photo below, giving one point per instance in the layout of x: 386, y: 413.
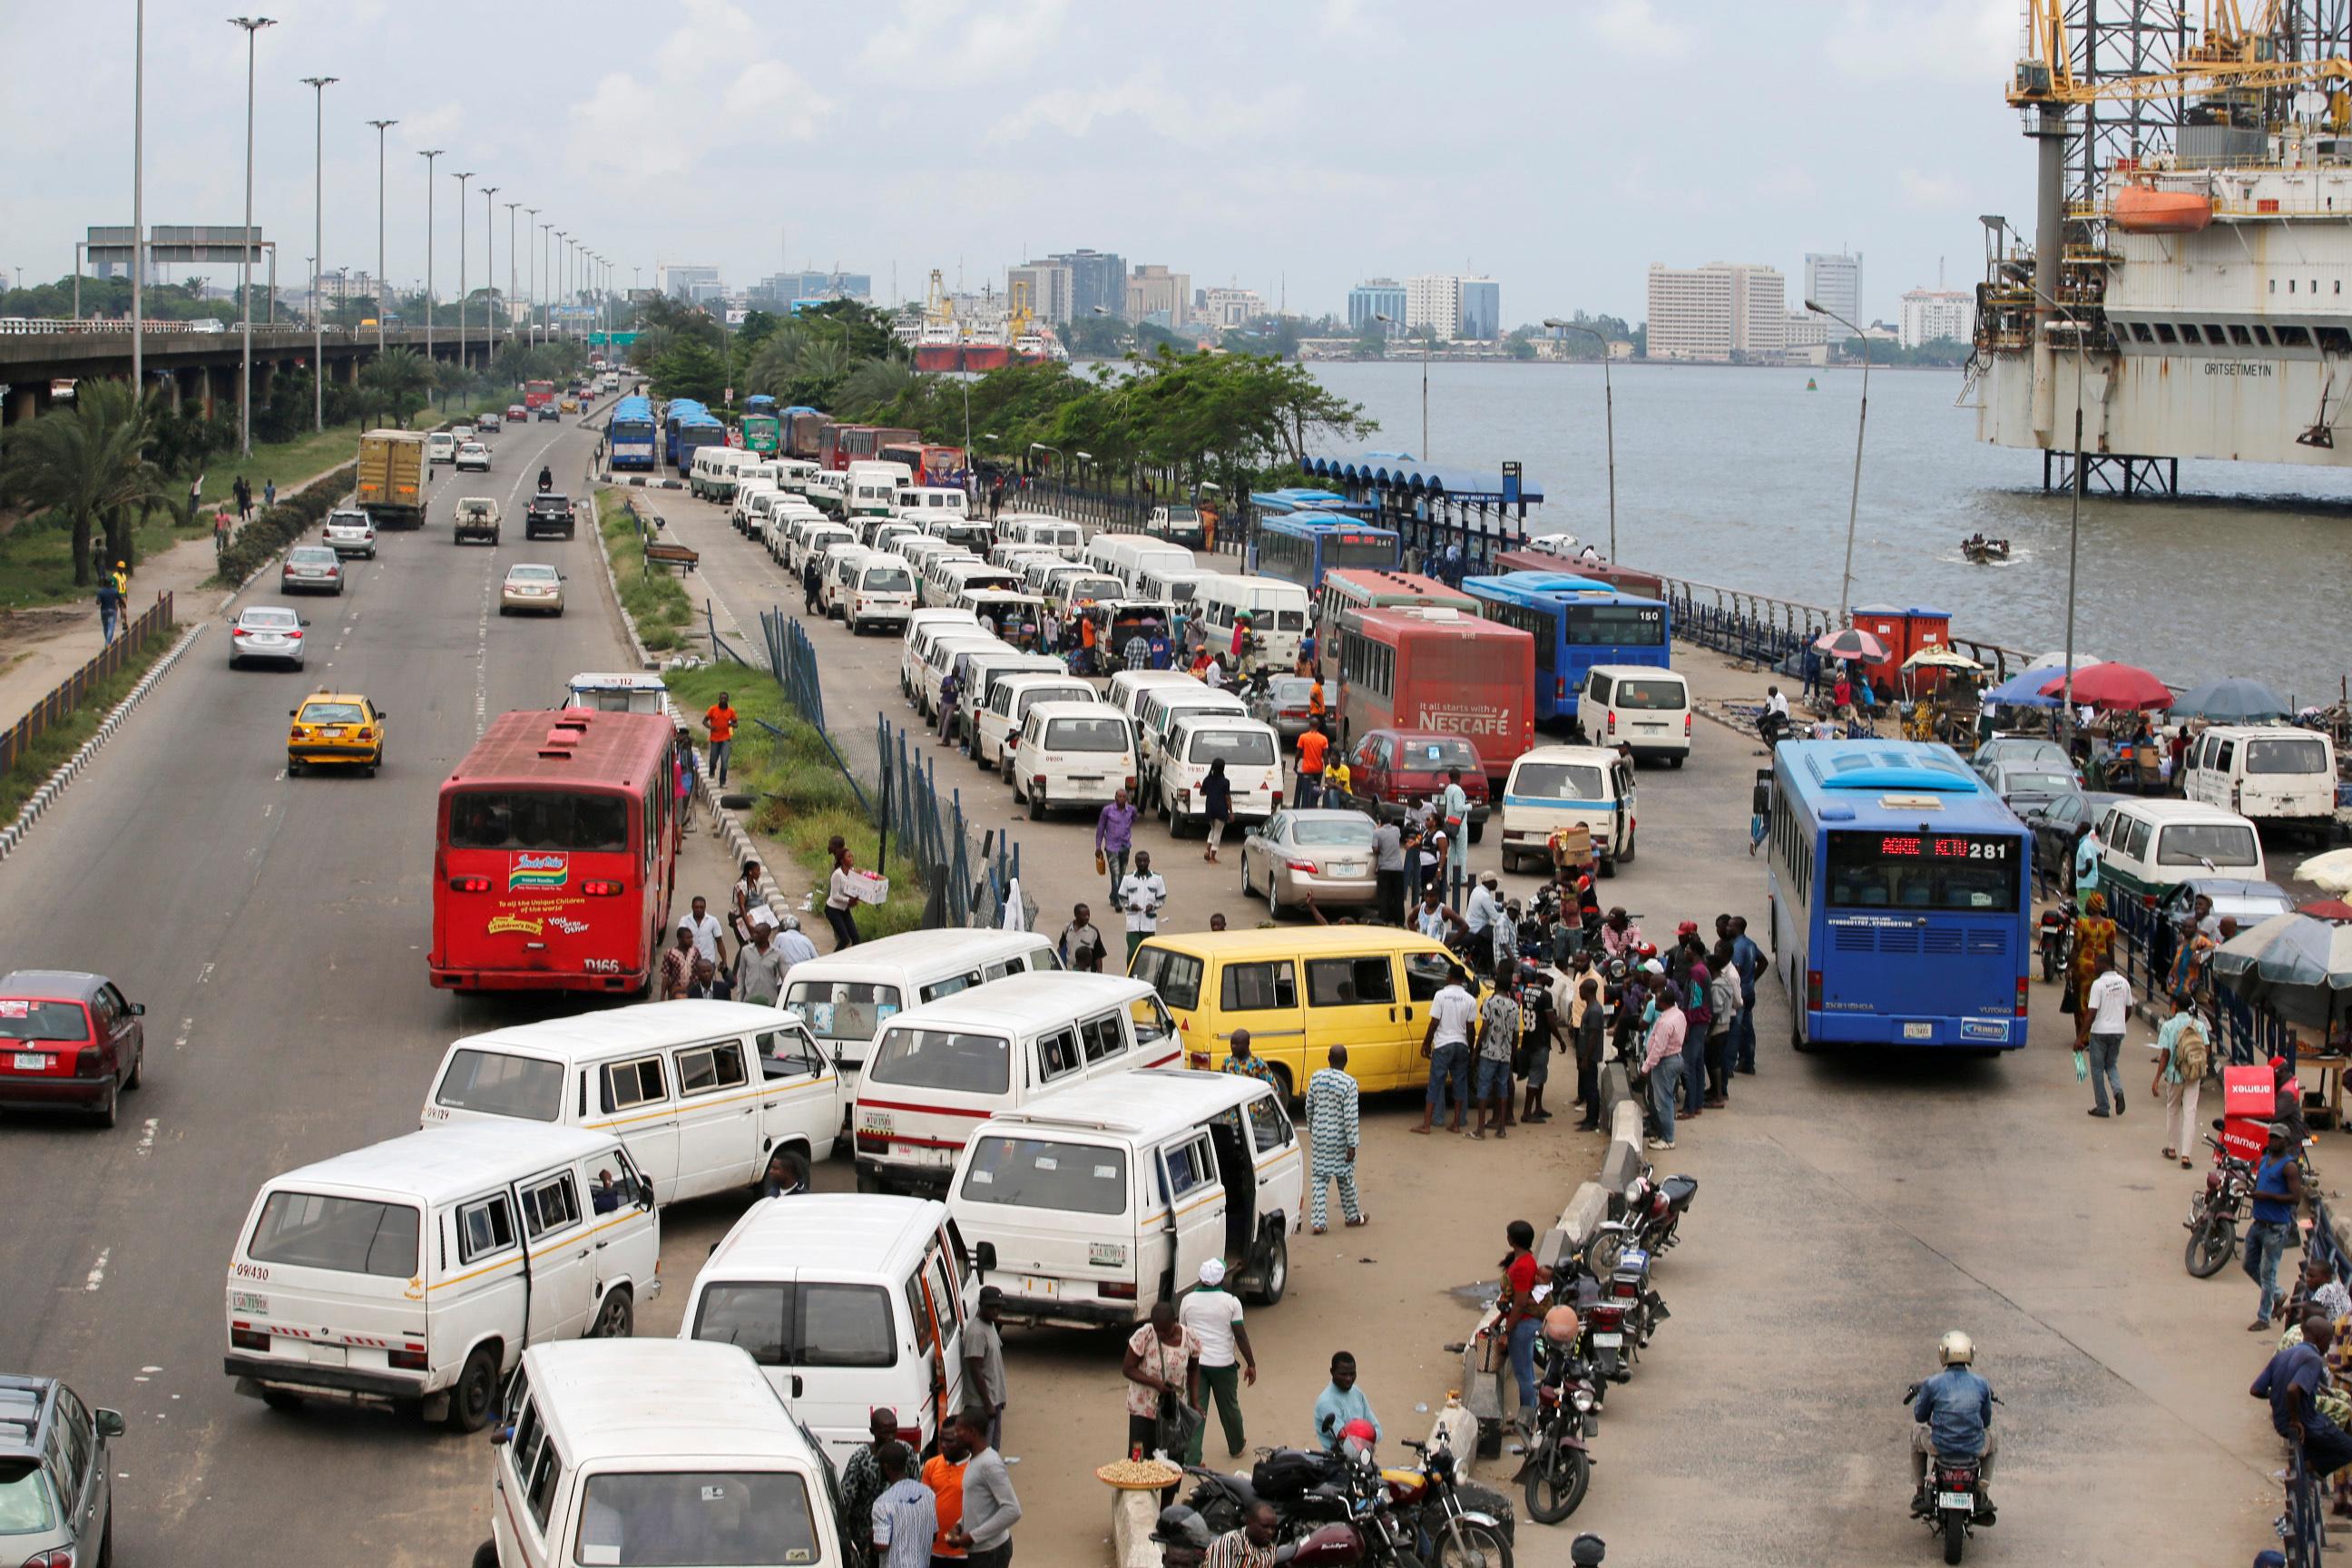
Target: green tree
x: 877, y: 384
x: 87, y: 461
x: 396, y: 384
x: 691, y: 368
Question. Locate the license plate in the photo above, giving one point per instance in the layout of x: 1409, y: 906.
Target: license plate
x: 933, y: 1156
x: 878, y: 1121
x: 246, y: 1301
x: 31, y: 1061
x: 1632, y: 1258
x: 1347, y: 868
x: 1608, y: 1342
x: 1918, y: 1031
x: 1955, y: 1500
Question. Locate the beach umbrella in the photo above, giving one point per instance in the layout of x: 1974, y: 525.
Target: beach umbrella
x: 2331, y: 872
x: 1851, y: 642
x: 2112, y: 686
x: 2056, y: 659
x: 2022, y: 690
x: 1940, y: 658
x: 2237, y: 701
x: 2298, y: 966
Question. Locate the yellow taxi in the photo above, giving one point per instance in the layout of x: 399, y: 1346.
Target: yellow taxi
x: 569, y: 406
x: 335, y: 729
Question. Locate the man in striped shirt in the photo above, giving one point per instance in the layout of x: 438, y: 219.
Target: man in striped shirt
x: 904, y: 1515
x: 1332, y: 1138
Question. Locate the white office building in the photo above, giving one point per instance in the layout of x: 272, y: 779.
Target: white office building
x: 1835, y: 282
x: 1932, y: 313
x: 1454, y: 306
x: 1718, y: 312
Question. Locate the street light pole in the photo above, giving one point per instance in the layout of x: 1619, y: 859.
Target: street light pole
x: 382, y: 300
x: 318, y: 85
x: 138, y: 202
x: 511, y: 274
x: 461, y: 179
x: 1609, y: 404
x: 555, y: 284
x: 489, y: 272
x: 1854, y: 504
x: 428, y: 156
x: 546, y: 287
x: 530, y: 317
x: 252, y: 24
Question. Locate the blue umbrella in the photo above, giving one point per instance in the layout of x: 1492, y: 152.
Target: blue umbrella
x: 2237, y: 701
x: 2022, y: 690
x: 2297, y: 965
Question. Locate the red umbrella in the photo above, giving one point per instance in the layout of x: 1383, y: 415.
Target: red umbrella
x: 1851, y: 642
x: 2113, y: 686
x: 2328, y: 909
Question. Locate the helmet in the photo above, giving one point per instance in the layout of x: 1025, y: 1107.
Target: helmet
x: 1559, y: 1325
x: 1181, y: 1526
x: 1357, y: 1438
x: 1955, y: 1349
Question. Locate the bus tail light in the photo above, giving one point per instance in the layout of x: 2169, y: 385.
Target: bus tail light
x: 2020, y: 997
x: 1130, y: 784
x: 1559, y: 688
x: 1813, y: 990
x: 469, y: 884
x: 597, y: 887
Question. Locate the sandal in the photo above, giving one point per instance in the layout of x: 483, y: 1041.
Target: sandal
x: 1320, y: 1229
x: 1360, y: 1221
x: 2186, y: 1165
x: 2172, y: 1153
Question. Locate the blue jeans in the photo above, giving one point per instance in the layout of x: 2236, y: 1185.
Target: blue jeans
x: 1449, y: 1069
x: 2266, y: 1239
x: 1693, y: 1068
x: 720, y: 751
x: 2101, y: 1051
x: 1522, y: 1364
x: 1664, y: 1078
x: 1743, y: 1038
x: 1494, y: 1079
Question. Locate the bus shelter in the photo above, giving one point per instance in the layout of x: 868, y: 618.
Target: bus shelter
x: 1453, y: 522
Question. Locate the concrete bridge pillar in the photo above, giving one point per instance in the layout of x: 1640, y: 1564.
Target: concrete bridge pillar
x: 220, y: 389
x: 24, y: 403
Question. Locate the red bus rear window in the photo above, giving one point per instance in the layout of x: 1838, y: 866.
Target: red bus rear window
x: 538, y: 819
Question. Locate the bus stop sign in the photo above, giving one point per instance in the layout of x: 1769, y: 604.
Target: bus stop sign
x: 1510, y: 484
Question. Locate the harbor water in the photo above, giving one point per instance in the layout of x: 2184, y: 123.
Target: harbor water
x: 1741, y: 478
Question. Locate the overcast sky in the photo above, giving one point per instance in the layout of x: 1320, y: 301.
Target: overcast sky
x: 1293, y: 146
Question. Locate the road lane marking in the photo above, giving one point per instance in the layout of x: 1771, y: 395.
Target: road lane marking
x: 97, y: 1274
x: 147, y: 1139
x: 204, y: 974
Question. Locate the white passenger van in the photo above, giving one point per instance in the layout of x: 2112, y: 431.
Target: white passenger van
x: 1121, y: 553
x: 1175, y: 585
x: 414, y: 1272
x: 740, y: 514
x: 1002, y: 607
x: 975, y: 669
x: 1013, y: 555
x: 1554, y: 787
x: 631, y: 691
x: 1065, y: 539
x: 924, y: 627
x: 1090, y: 1203
x: 2267, y: 774
x: 948, y: 575
x: 701, y: 1092
x: 809, y: 540
x: 887, y: 536
x: 1636, y: 705
x: 2146, y: 847
x: 654, y: 1451
x: 846, y: 997
x: 1071, y: 753
x: 883, y: 594
x: 939, y: 1069
x: 441, y: 446
x: 924, y: 499
x: 871, y: 489
x: 996, y: 721
x: 1156, y: 711
x: 942, y: 657
x: 795, y: 473
x: 1251, y: 751
x: 1277, y: 610
x: 837, y: 573
x: 827, y: 489
x: 711, y: 475
x: 849, y: 1304
x: 784, y: 517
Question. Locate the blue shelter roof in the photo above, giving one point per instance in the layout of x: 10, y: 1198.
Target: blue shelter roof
x: 1394, y: 471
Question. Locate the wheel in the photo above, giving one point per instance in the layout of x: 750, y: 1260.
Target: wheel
x: 486, y: 1555
x: 1676, y: 762
x: 869, y: 1182
x: 1467, y: 1545
x: 475, y: 1394
x: 1608, y: 869
x: 138, y: 1067
x: 1956, y: 1534
x: 1477, y: 832
x: 1273, y: 896
x: 278, y: 1399
x: 2210, y: 1244
x: 1797, y: 1041
x: 506, y: 609
x: 616, y: 1316
x: 1601, y: 1253
x: 109, y: 1110
x: 1557, y: 1483
x: 1273, y: 1279
x: 106, y: 1540
x: 293, y: 769
x: 232, y: 664
x: 1247, y: 891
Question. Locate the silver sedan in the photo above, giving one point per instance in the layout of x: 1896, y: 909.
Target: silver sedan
x: 266, y: 631
x: 1286, y: 703
x: 531, y: 586
x: 1324, y: 857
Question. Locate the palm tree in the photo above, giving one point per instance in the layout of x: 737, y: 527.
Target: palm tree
x: 87, y: 460
x: 397, y: 380
x: 877, y: 384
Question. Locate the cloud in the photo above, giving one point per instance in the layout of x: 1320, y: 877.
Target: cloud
x: 1634, y: 27
x: 436, y: 127
x: 716, y: 57
x: 1189, y: 119
x: 1923, y: 190
x: 1970, y: 41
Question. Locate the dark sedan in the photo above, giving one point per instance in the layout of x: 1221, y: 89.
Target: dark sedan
x: 2028, y: 783
x: 2055, y: 824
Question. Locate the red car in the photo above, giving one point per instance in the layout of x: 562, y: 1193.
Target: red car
x: 67, y: 1040
x: 1391, y: 772
x: 517, y: 413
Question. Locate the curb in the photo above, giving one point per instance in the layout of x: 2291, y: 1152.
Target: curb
x: 55, y: 784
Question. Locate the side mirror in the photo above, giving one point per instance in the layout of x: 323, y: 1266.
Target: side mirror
x: 644, y: 1192
x: 983, y: 1257
x: 290, y: 712
x: 139, y: 1009
x: 110, y: 1423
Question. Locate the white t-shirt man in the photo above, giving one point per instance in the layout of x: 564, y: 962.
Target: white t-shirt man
x: 1456, y: 1012
x: 2110, y: 1003
x: 1213, y: 677
x: 1211, y: 1315
x: 1142, y: 896
x: 706, y: 934
x: 1777, y: 701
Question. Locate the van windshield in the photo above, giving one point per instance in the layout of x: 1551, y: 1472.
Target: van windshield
x: 2208, y: 843
x: 1559, y: 782
x: 943, y: 1058
x: 719, y: 1518
x: 1031, y: 1173
x: 492, y: 1083
x: 1175, y: 975
x: 347, y: 1235
x: 843, y: 1009
x: 1656, y: 694
x: 2286, y: 756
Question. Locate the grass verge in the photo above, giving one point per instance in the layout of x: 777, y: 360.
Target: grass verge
x: 59, y: 742
x: 654, y: 598
x: 803, y: 799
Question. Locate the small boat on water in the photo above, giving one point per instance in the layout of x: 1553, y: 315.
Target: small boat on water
x: 1982, y: 550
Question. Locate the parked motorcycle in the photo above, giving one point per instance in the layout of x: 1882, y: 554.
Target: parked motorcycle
x: 1955, y: 1496
x: 1653, y: 1221
x: 1558, y: 1469
x: 1457, y: 1524
x: 2214, y: 1212
x: 2055, y: 932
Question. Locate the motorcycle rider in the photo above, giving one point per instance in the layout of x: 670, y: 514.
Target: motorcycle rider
x: 1954, y: 1412
x: 546, y: 478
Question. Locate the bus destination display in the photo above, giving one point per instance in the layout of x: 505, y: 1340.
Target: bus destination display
x: 1947, y: 847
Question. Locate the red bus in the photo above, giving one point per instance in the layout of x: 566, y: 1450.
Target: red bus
x: 535, y: 393
x: 930, y: 463
x: 1349, y: 588
x: 1433, y: 667
x: 555, y: 854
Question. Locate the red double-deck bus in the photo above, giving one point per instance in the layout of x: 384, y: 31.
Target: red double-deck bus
x: 535, y: 393
x: 555, y: 854
x: 1433, y: 667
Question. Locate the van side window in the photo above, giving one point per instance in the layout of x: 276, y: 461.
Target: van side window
x: 631, y: 1084
x: 2137, y: 845
x: 1057, y: 1053
x: 943, y: 1294
x: 1347, y: 982
x: 1043, y: 958
x: 552, y: 1204
x: 1599, y: 687
x: 527, y: 1432
x: 949, y: 987
x: 1152, y: 1024
x: 1426, y: 974
x: 706, y: 1068
x: 543, y: 1473
x: 1269, y: 1128
x: 485, y: 1228
x: 1248, y: 986
x: 787, y: 1052
x: 1189, y: 1167
x: 920, y: 1314
x: 1104, y: 1039
x: 2226, y: 755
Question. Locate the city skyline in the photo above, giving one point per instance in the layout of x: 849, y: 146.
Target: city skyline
x: 1138, y: 155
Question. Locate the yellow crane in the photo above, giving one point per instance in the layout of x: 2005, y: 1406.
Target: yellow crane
x: 2227, y: 55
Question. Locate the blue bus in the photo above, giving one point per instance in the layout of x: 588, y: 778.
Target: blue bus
x: 694, y: 432
x: 630, y: 433
x: 759, y: 403
x: 1577, y: 623
x: 675, y: 413
x: 1902, y: 898
x: 1300, y: 547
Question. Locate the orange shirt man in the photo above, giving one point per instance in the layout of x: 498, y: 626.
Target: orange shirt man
x: 719, y: 720
x: 1311, y: 747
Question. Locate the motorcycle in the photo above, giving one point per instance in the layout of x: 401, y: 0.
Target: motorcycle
x: 1449, y: 1533
x: 1558, y: 1469
x: 2213, y: 1213
x: 2055, y: 932
x: 1654, y: 1212
x: 1337, y: 1506
x: 1954, y: 1499
x: 1183, y: 1539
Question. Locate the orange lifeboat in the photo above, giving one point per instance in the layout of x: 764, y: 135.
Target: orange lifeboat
x: 2139, y: 210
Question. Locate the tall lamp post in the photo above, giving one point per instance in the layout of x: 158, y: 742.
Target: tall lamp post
x: 1609, y: 404
x: 429, y: 155
x: 489, y: 272
x: 318, y: 85
x: 461, y: 178
x: 383, y: 300
x: 1392, y: 321
x: 511, y: 264
x: 252, y: 24
x: 530, y: 318
x: 138, y: 201
x: 555, y: 283
x: 547, y: 282
x: 1853, y: 502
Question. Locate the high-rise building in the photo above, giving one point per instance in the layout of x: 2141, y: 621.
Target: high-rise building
x: 1223, y: 308
x: 1932, y: 313
x: 1374, y: 298
x: 781, y: 288
x: 1155, y: 292
x: 1045, y: 287
x: 1453, y: 306
x: 1835, y: 282
x: 1096, y: 277
x: 1719, y: 311
x: 1482, y: 309
x: 683, y: 282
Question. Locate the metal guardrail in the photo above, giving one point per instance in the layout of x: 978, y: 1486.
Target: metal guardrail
x: 1772, y: 631
x: 74, y: 690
